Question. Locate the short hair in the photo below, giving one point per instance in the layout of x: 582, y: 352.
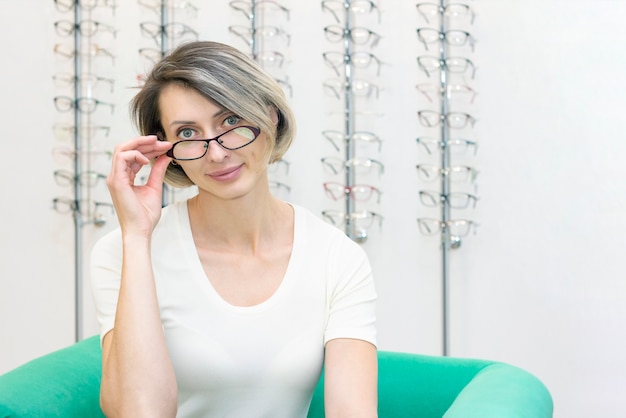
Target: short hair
x: 228, y: 78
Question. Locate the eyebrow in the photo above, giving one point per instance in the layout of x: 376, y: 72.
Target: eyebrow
x: 191, y: 122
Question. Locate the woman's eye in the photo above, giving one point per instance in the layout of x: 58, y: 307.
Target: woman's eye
x: 185, y: 133
x: 232, y: 120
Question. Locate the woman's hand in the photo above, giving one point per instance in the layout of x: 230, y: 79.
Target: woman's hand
x: 138, y: 207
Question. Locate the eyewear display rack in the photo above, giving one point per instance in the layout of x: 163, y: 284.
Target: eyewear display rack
x: 351, y: 36
x: 451, y: 229
x: 81, y: 104
x: 165, y: 33
x: 258, y: 35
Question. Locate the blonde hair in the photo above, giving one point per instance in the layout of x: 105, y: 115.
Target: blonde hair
x: 228, y: 78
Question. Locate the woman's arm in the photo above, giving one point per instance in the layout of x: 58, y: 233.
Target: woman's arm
x: 350, y: 379
x: 138, y: 378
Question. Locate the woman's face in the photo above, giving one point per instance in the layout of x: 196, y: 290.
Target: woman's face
x: 226, y: 174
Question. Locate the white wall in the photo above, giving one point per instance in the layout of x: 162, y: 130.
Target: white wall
x: 540, y: 286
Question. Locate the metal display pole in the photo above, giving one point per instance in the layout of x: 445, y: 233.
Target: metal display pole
x: 78, y: 222
x: 349, y: 123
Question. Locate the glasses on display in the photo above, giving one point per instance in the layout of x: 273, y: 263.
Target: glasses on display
x: 455, y: 65
x: 84, y: 104
x: 233, y: 139
x: 66, y: 131
x: 157, y: 5
x: 65, y: 155
x: 67, y: 80
x: 337, y: 138
x: 457, y: 146
x: 91, y: 208
x: 92, y: 50
x: 456, y: 173
x: 86, y: 178
x: 362, y: 219
x: 454, y: 37
x: 456, y: 200
x: 267, y: 32
x: 173, y: 30
x: 456, y: 227
x: 452, y: 91
x: 335, y: 165
x: 278, y: 186
x: 245, y: 7
x: 86, y: 28
x: 338, y: 60
x: 455, y: 120
x: 337, y: 8
x: 278, y: 166
x: 432, y: 11
x: 358, y: 35
x: 86, y: 5
x: 360, y: 88
x: 360, y: 192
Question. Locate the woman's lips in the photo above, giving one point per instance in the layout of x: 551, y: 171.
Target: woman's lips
x: 226, y: 174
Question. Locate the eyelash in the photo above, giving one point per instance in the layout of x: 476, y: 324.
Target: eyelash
x: 238, y: 120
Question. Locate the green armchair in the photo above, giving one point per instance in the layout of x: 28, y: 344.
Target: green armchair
x: 66, y: 384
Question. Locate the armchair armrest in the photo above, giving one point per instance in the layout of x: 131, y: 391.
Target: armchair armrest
x: 65, y: 383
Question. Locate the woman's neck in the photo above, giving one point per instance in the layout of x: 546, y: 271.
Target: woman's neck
x: 246, y: 224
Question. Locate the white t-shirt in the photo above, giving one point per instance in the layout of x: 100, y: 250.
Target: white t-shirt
x: 242, y: 362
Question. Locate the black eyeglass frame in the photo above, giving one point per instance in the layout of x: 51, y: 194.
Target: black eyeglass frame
x: 170, y: 153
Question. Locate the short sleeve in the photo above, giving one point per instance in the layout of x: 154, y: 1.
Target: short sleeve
x: 351, y: 295
x: 105, y: 275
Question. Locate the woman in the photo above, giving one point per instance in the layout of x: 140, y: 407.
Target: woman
x: 227, y: 304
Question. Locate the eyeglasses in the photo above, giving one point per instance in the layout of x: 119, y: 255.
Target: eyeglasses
x: 84, y: 104
x: 245, y: 32
x: 456, y: 174
x: 157, y: 4
x: 233, y: 139
x: 64, y: 155
x: 93, y: 50
x: 456, y: 200
x: 456, y: 227
x: 358, y: 87
x: 452, y: 91
x: 359, y: 59
x: 86, y: 27
x: 358, y: 6
x: 336, y: 138
x: 87, y: 5
x: 83, y: 207
x: 455, y: 120
x: 271, y: 58
x: 457, y: 146
x: 274, y: 168
x: 452, y: 10
x: 171, y: 30
x: 452, y: 37
x: 358, y: 35
x: 458, y: 65
x: 362, y: 219
x: 86, y: 178
x: 360, y: 192
x: 278, y: 186
x: 363, y: 165
x: 246, y: 7
x: 65, y: 131
x: 67, y: 80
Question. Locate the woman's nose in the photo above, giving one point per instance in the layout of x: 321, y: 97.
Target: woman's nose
x: 216, y: 152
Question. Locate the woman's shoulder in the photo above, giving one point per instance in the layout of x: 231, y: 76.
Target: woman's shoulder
x: 318, y: 232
